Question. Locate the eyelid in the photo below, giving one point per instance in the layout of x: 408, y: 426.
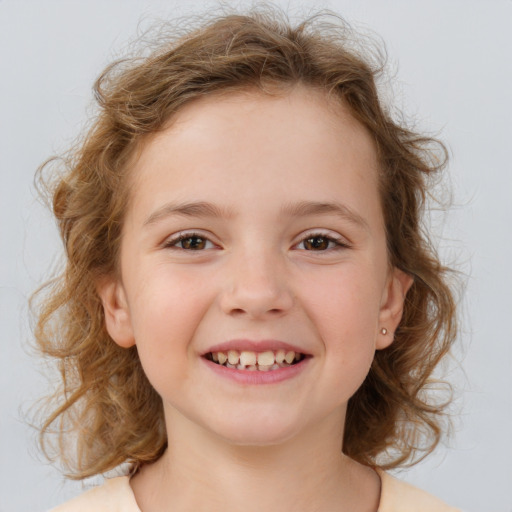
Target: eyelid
x: 340, y: 241
x: 173, y: 240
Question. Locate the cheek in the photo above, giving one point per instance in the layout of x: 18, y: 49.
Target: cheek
x: 344, y: 309
x: 165, y: 313
x: 345, y: 303
x: 350, y: 342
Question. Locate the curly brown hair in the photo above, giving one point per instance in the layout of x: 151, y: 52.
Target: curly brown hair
x: 105, y: 398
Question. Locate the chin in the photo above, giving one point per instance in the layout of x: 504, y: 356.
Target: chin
x: 257, y: 432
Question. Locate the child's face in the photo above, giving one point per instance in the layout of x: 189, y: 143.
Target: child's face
x: 255, y: 225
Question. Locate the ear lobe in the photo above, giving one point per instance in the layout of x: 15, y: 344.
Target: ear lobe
x: 117, y: 313
x: 392, y: 307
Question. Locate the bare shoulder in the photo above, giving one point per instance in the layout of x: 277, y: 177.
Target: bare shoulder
x: 399, y: 496
x: 115, y: 495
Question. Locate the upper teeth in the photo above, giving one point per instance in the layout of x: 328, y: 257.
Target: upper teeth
x: 247, y: 358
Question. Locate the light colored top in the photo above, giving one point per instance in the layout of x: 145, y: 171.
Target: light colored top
x: 116, y: 495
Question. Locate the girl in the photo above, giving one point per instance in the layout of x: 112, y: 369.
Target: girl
x: 250, y: 314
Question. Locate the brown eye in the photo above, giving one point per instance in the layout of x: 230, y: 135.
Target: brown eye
x: 193, y: 243
x: 189, y: 242
x: 317, y: 243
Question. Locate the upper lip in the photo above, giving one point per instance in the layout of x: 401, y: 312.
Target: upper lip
x: 254, y: 346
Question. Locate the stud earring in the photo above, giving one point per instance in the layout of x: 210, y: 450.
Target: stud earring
x: 384, y: 331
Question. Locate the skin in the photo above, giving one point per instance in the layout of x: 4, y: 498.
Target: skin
x: 253, y: 158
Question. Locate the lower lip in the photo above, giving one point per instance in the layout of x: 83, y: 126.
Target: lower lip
x: 258, y: 377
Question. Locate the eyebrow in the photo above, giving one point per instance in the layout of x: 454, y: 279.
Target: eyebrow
x: 300, y: 209
x: 306, y: 208
x: 195, y: 209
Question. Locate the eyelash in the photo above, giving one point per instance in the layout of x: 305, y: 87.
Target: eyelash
x: 336, y: 242
x: 173, y: 242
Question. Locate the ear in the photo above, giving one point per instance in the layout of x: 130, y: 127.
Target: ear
x: 117, y: 313
x: 392, y: 306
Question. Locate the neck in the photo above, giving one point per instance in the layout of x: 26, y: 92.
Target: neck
x: 202, y: 472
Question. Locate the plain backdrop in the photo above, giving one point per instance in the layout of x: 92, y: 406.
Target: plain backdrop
x: 452, y: 64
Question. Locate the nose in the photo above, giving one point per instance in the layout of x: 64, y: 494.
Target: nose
x: 256, y: 286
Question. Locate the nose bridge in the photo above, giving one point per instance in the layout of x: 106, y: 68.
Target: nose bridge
x: 256, y: 283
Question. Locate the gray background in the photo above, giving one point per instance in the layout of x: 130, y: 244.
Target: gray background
x: 454, y: 76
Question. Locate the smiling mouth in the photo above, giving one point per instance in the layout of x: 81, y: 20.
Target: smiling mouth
x: 256, y: 361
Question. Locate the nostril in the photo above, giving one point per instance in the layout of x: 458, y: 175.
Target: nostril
x: 253, y: 312
x: 256, y: 300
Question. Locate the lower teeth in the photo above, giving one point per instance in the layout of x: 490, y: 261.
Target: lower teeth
x: 257, y: 368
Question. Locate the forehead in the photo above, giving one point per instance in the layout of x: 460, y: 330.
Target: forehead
x: 249, y: 141
x: 309, y: 111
